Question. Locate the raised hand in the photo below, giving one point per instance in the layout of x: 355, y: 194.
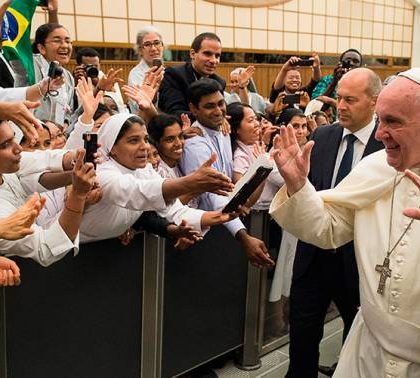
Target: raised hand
x: 83, y: 175
x: 89, y: 101
x: 139, y: 95
x: 245, y: 75
x: 20, y: 114
x: 258, y: 149
x: 291, y: 161
x: 208, y: 179
x: 106, y: 82
x: 9, y: 272
x: 412, y: 212
x: 226, y: 126
x: 186, y: 122
x: 18, y: 224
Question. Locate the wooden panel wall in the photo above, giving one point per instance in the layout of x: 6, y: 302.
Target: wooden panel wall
x: 264, y: 74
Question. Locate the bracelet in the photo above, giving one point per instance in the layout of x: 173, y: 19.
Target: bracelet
x: 72, y: 210
x: 38, y: 85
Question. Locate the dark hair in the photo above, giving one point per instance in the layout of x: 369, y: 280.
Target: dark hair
x: 198, y: 40
x: 42, y: 34
x: 351, y: 50
x: 86, y: 51
x: 127, y: 124
x: 158, y: 124
x: 44, y: 126
x: 286, y: 115
x: 236, y: 111
x: 101, y: 110
x: 202, y: 87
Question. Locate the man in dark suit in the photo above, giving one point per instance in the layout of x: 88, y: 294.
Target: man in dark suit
x: 205, y: 57
x: 321, y: 276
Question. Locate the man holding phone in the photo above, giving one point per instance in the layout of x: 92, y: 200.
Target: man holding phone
x: 289, y: 82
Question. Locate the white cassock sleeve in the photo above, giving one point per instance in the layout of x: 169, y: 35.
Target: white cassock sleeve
x: 326, y: 218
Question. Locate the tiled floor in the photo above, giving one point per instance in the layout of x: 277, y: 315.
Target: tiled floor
x: 274, y: 364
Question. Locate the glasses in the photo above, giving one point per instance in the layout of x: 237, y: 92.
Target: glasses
x: 149, y: 44
x: 60, y: 41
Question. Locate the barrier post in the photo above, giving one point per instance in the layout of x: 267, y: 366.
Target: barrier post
x: 152, y: 316
x: 255, y: 308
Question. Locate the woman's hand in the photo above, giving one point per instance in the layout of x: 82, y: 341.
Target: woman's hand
x: 9, y: 272
x: 89, y: 101
x: 18, y: 224
x: 107, y: 82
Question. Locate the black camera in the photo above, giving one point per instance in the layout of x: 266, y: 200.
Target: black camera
x: 55, y: 70
x: 91, y: 71
x: 43, y: 3
x: 346, y: 64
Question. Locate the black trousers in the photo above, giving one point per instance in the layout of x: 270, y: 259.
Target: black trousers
x: 325, y: 280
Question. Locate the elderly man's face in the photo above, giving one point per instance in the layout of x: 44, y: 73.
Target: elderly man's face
x: 398, y: 110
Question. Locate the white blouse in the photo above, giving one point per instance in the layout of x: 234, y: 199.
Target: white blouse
x: 126, y: 194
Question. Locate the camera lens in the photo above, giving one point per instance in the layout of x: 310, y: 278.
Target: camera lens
x: 91, y: 71
x: 55, y: 70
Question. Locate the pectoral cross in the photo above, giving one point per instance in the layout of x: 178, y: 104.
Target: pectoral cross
x: 385, y: 273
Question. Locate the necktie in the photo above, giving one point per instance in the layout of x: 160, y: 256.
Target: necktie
x: 347, y: 160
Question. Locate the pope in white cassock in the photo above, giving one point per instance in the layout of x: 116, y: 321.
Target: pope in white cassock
x: 377, y: 205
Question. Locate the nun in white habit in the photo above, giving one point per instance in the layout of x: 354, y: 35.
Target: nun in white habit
x: 130, y: 185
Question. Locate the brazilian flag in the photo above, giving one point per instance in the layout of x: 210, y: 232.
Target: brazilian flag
x: 16, y: 31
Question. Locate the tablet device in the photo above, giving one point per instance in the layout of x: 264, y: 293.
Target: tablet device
x: 247, y: 189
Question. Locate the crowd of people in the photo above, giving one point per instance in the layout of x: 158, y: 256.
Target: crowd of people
x: 170, y: 156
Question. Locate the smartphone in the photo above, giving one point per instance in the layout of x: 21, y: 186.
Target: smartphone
x: 291, y: 99
x: 43, y: 3
x: 91, y: 147
x: 156, y: 62
x: 305, y: 62
x: 245, y: 192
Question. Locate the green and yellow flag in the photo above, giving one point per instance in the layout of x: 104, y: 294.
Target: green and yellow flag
x: 16, y: 32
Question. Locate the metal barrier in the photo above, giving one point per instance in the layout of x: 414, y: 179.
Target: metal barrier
x: 145, y: 310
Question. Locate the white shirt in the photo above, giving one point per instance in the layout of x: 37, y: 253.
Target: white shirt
x: 45, y: 246
x: 126, y: 194
x: 360, y: 143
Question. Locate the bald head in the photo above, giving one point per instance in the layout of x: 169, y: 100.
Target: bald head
x: 356, y: 97
x: 368, y: 79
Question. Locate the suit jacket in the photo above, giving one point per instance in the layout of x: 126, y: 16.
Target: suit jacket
x: 324, y: 154
x: 174, y: 88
